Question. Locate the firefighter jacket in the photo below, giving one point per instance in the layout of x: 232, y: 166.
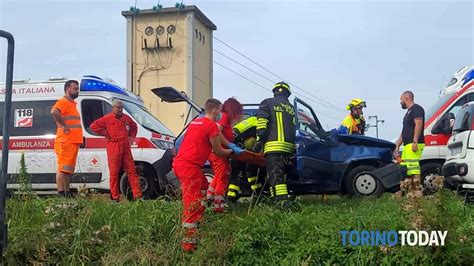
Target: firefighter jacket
x: 276, y: 125
x: 352, y: 125
x: 245, y: 130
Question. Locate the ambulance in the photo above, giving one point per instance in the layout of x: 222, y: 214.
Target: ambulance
x: 32, y: 133
x: 439, y: 121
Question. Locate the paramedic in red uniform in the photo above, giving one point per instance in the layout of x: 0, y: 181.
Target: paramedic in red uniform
x: 231, y: 114
x: 68, y: 136
x: 202, y: 136
x: 120, y: 131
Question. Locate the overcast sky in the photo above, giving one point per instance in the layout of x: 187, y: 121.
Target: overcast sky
x: 335, y: 50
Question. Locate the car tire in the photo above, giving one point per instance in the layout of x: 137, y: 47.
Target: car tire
x: 429, y: 171
x: 148, y: 183
x: 359, y: 182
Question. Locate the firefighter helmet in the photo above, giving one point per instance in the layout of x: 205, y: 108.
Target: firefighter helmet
x: 281, y: 87
x: 356, y: 103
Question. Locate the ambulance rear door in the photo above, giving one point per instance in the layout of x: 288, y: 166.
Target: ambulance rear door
x: 32, y: 132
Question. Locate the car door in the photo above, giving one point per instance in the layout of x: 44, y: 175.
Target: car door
x: 462, y: 130
x: 454, y: 109
x: 313, y: 157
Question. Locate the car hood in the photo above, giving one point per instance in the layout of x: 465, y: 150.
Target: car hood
x: 171, y: 95
x: 366, y: 141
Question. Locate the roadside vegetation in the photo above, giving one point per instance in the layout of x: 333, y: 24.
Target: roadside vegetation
x: 90, y: 229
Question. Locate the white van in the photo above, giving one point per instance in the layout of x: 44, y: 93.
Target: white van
x: 438, y: 122
x: 33, y: 132
x: 459, y: 166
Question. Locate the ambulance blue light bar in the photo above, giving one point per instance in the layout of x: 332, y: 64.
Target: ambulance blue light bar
x: 468, y: 77
x: 94, y: 83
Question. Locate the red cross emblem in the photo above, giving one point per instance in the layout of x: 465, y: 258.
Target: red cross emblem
x: 94, y: 161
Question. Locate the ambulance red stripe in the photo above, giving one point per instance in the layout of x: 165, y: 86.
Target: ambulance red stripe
x: 48, y: 144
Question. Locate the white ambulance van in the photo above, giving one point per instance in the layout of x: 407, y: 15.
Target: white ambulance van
x: 439, y: 121
x: 32, y: 133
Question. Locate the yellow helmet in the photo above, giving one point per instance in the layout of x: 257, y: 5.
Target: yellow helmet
x: 356, y: 103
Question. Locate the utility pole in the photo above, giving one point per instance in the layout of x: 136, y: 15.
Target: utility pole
x: 377, y: 121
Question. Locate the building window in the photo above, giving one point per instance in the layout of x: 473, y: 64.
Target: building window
x: 196, y: 31
x: 203, y: 39
x: 200, y: 36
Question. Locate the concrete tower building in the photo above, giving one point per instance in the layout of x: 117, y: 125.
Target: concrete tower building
x: 170, y: 47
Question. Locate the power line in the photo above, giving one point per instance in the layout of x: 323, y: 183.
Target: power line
x: 318, y: 99
x: 265, y: 77
x: 263, y: 87
x: 244, y: 66
x: 242, y: 76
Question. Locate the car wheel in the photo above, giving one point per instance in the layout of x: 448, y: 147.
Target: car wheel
x: 360, y: 182
x: 148, y: 182
x: 429, y: 172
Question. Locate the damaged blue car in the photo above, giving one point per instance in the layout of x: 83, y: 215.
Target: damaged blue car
x: 325, y: 162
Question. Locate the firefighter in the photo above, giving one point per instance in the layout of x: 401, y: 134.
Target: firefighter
x: 354, y: 123
x: 68, y: 136
x: 120, y: 131
x: 245, y: 134
x: 202, y: 136
x: 276, y: 135
x: 231, y: 114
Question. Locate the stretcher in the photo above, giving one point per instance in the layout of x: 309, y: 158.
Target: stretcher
x: 250, y: 158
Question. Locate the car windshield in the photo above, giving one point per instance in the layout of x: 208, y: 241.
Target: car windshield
x: 144, y: 118
x: 435, y: 107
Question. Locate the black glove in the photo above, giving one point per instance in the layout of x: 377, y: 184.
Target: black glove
x: 257, y: 147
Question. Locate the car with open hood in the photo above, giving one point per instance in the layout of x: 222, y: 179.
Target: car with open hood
x: 325, y: 162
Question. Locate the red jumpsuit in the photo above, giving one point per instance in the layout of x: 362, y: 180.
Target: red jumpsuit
x: 119, y: 131
x: 192, y: 155
x: 221, y: 168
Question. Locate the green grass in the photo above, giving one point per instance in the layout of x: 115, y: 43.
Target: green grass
x: 91, y: 230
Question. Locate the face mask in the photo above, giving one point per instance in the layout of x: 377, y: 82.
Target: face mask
x: 219, y: 117
x: 404, y: 106
x: 74, y: 96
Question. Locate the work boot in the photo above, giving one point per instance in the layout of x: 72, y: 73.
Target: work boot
x: 287, y: 203
x: 232, y: 206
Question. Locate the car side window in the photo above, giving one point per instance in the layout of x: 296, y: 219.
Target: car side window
x: 463, y: 122
x: 93, y: 110
x: 470, y: 97
x: 306, y: 121
x: 466, y: 120
x: 459, y: 104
